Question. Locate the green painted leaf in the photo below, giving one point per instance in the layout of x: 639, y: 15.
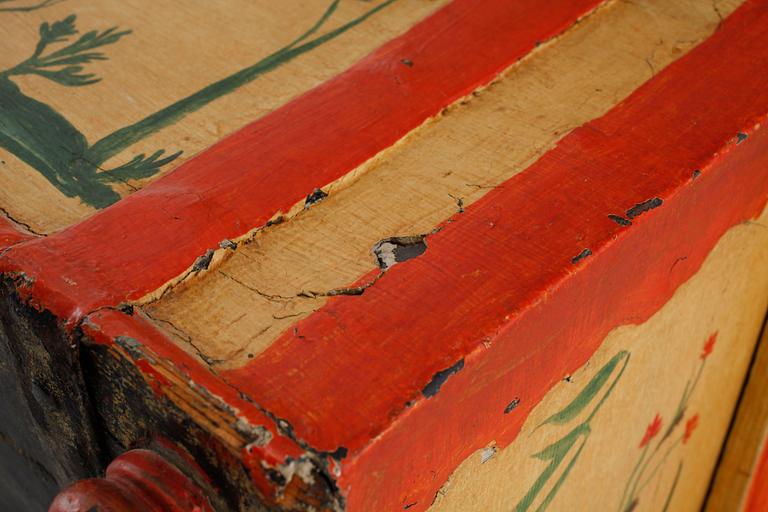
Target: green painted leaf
x: 45, y: 140
x: 141, y: 166
x: 48, y: 142
x: 555, y: 454
x: 558, y: 449
x: 560, y: 481
x: 588, y: 393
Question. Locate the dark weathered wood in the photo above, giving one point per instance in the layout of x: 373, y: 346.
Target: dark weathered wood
x: 131, y: 415
x: 25, y: 484
x: 47, y: 416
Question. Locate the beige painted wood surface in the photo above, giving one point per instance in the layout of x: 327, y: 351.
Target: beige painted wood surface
x: 727, y: 297
x: 745, y: 440
x: 239, y: 307
x: 175, y: 49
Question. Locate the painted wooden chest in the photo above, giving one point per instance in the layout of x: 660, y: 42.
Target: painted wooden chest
x: 386, y: 255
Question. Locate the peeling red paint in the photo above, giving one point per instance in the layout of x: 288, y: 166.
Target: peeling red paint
x: 544, y: 316
x: 267, y: 167
x: 10, y: 234
x: 156, y: 380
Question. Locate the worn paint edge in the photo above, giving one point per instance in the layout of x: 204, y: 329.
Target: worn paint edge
x: 83, y: 267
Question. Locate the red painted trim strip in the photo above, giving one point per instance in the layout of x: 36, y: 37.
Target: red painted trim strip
x: 134, y: 247
x: 10, y: 234
x: 502, y: 274
x: 757, y: 500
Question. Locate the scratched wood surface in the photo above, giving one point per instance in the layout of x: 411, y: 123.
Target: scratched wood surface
x: 84, y: 121
x: 235, y: 312
x: 479, y: 255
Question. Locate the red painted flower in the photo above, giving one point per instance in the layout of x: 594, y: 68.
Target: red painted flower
x: 690, y: 426
x: 652, y: 431
x: 708, y: 347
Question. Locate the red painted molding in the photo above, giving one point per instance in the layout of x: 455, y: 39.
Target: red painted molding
x: 499, y: 307
x: 128, y: 250
x: 10, y: 234
x: 136, y: 481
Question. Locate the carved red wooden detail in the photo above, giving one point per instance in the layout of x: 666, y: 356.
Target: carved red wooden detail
x: 138, y: 480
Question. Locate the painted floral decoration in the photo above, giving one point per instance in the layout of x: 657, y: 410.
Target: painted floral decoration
x: 690, y: 426
x: 708, y: 347
x: 655, y: 454
x: 652, y: 431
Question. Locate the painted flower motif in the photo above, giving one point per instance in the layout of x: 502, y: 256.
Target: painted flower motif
x: 652, y: 431
x: 690, y: 426
x: 708, y: 347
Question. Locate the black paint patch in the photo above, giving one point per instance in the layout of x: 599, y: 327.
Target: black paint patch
x: 696, y: 174
x: 202, y: 262
x: 512, y: 406
x: 398, y: 249
x: 228, y: 244
x: 643, y: 207
x: 439, y: 379
x: 275, y: 476
x: 315, y: 197
x: 741, y: 137
x: 583, y: 254
x: 339, y: 453
x: 285, y: 428
x: 618, y: 219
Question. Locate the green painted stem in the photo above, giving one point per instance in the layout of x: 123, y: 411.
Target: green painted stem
x: 672, y: 489
x: 125, y: 137
x: 625, y: 497
x: 658, y: 465
x: 625, y: 355
x: 553, y: 492
x: 28, y: 8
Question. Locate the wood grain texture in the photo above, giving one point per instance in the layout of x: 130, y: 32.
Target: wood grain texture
x: 373, y: 401
x: 689, y: 158
x: 172, y: 52
x: 239, y: 308
x: 271, y: 165
x: 513, y: 289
